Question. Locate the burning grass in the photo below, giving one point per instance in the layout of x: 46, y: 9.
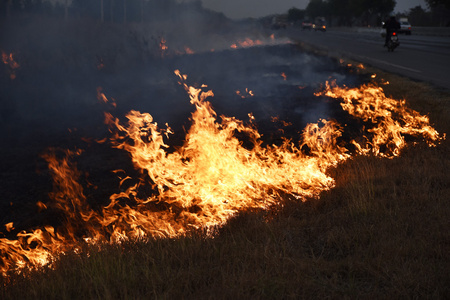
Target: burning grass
x: 219, y: 217
x: 380, y: 232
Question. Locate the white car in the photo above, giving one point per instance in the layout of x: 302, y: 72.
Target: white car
x: 405, y: 27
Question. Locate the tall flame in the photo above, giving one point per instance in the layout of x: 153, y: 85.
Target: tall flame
x: 211, y: 177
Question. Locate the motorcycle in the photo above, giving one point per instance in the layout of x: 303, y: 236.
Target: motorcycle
x: 392, y: 42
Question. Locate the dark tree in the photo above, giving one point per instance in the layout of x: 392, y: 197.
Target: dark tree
x: 370, y: 8
x: 436, y: 3
x: 347, y: 11
x: 317, y: 8
x: 295, y: 14
x: 418, y: 16
x: 342, y: 9
x: 440, y: 12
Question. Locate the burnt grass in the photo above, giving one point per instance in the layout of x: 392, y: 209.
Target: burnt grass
x: 50, y: 126
x: 382, y: 232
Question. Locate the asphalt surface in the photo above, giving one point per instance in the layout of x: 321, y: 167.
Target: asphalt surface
x: 423, y: 58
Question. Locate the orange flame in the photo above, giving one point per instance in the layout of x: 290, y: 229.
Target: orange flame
x: 210, y: 178
x: 102, y: 98
x: 163, y: 47
x: 188, y: 50
x: 245, y: 43
x: 391, y: 119
x: 245, y: 94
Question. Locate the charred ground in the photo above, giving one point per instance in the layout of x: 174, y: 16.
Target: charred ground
x: 52, y: 101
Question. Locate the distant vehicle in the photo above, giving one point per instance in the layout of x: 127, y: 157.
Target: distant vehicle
x: 320, y: 27
x: 405, y: 27
x: 307, y: 25
x: 320, y: 24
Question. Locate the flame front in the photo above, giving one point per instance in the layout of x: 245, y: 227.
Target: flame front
x: 390, y: 120
x: 211, y: 177
x: 245, y: 43
x: 213, y: 173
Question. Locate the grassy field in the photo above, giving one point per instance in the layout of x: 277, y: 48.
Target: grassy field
x: 382, y: 232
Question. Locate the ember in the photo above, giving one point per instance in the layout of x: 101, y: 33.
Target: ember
x: 245, y: 94
x: 8, y: 60
x: 163, y: 47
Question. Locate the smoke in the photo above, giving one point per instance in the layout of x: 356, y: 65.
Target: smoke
x: 52, y: 101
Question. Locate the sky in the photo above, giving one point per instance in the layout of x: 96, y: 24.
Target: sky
x: 238, y: 9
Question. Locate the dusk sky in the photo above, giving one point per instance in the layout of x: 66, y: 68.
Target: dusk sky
x: 237, y: 9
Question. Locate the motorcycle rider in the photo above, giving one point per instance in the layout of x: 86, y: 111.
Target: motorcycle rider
x: 391, y: 26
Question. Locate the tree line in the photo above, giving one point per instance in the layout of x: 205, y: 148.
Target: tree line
x: 116, y: 11
x: 337, y: 12
x: 371, y: 12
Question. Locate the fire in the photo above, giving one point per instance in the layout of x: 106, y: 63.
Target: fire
x: 188, y: 50
x: 9, y: 226
x: 245, y: 94
x: 284, y: 123
x: 102, y: 97
x: 245, y: 43
x: 210, y: 178
x: 8, y: 59
x: 163, y: 48
x: 390, y: 120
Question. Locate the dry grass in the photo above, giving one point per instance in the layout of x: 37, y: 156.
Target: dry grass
x: 381, y: 233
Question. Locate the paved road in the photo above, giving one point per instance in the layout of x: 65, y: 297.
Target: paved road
x: 425, y: 58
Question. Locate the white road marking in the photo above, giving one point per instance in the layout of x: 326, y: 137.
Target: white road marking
x: 390, y: 64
